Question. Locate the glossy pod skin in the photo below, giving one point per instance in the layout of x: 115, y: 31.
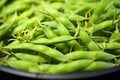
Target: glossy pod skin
x: 88, y: 41
x: 112, y: 45
x: 28, y: 57
x: 93, y: 55
x: 61, y: 46
x: 64, y: 68
x: 53, y: 40
x: 78, y: 65
x: 101, y: 26
x: 59, y: 17
x: 20, y: 64
x: 63, y: 31
x: 40, y: 48
x: 102, y: 65
x: 33, y: 21
x: 101, y: 7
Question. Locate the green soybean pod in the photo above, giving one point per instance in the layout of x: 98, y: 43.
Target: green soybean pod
x: 12, y: 58
x: 70, y: 14
x: 23, y: 5
x: 32, y: 22
x: 30, y: 57
x: 63, y: 31
x: 24, y: 16
x: 28, y: 1
x: 6, y: 27
x: 108, y: 14
x: 110, y: 45
x: 91, y: 45
x: 93, y: 55
x: 61, y: 46
x: 2, y: 2
x: 59, y: 39
x: 51, y: 24
x: 64, y: 68
x: 85, y: 6
x: 99, y: 65
x: 39, y: 48
x: 1, y: 43
x: 98, y: 11
x: 27, y: 13
x: 43, y: 40
x: 74, y: 17
x: 101, y: 26
x: 57, y: 4
x: 58, y: 16
x: 10, y: 20
x: 22, y: 2
x: 49, y: 33
x: 12, y: 9
x: 10, y: 24
x: 115, y: 36
x: 20, y: 64
x: 39, y: 32
x: 34, y: 69
x: 66, y: 23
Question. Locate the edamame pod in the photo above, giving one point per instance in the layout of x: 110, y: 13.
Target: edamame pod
x: 91, y: 45
x: 20, y: 64
x: 93, y: 55
x: 59, y: 39
x: 64, y: 68
x: 99, y: 65
x: 61, y: 46
x: 101, y: 26
x: 30, y: 57
x: 111, y: 45
x: 98, y: 11
x: 39, y: 48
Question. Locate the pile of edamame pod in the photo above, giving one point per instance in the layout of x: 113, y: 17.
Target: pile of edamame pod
x: 59, y: 36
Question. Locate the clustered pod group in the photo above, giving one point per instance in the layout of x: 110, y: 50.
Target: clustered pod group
x: 59, y: 36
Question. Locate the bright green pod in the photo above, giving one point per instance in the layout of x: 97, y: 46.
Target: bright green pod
x: 7, y: 26
x: 64, y: 32
x: 50, y: 35
x: 65, y: 67
x: 30, y: 57
x: 99, y: 65
x: 102, y: 25
x: 20, y: 64
x: 86, y: 39
x: 39, y: 48
x: 14, y: 8
x: 58, y: 16
x: 111, y: 45
x: 98, y: 11
x: 93, y: 55
x: 32, y: 22
x: 59, y: 39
